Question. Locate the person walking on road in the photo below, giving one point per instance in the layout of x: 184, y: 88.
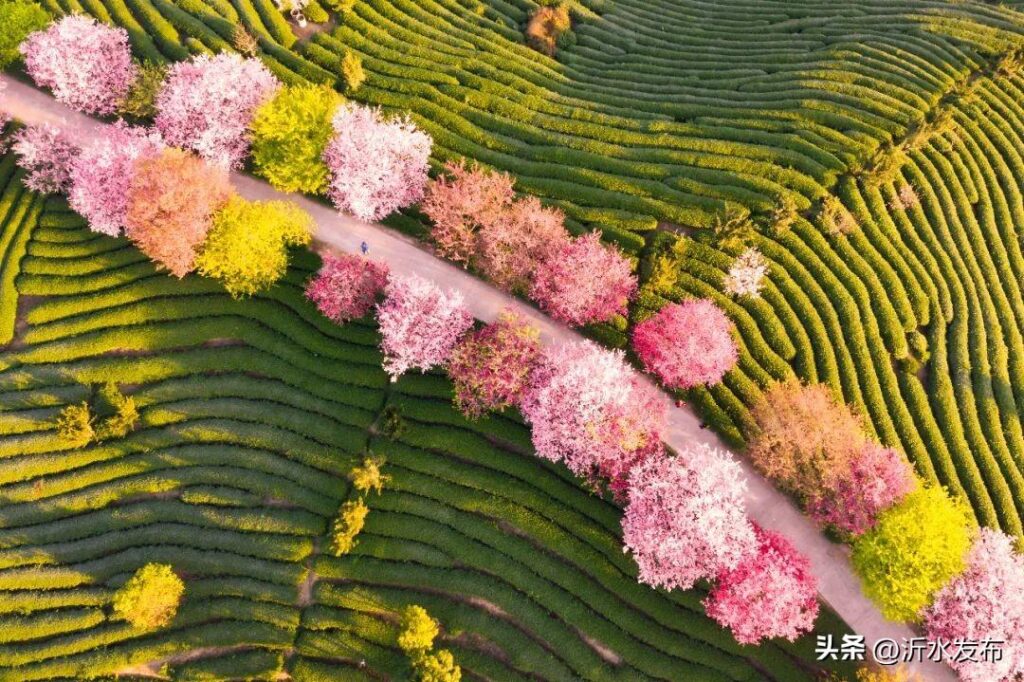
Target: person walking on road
x: 365, y: 248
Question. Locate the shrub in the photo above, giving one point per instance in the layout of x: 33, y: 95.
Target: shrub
x: 352, y: 71
x: 346, y: 526
x: 207, y: 103
x: 546, y: 26
x: 879, y: 477
x: 589, y: 409
x: 770, y: 593
x: 511, y: 249
x: 804, y: 438
x: 346, y: 286
x: 18, y: 18
x: 438, y: 666
x: 490, y: 368
x: 368, y: 476
x: 171, y: 203
x: 377, y: 165
x: 835, y: 218
x: 118, y: 413
x: 418, y: 630
x: 746, y: 274
x: 584, y: 281
x: 685, y: 519
x: 985, y: 602
x: 150, y: 598
x: 419, y: 324
x: 290, y: 133
x: 247, y: 247
x: 140, y: 102
x: 75, y: 425
x: 914, y: 548
x: 244, y: 42
x: 47, y: 154
x: 88, y: 65
x: 102, y: 174
x: 906, y: 197
x: 686, y: 344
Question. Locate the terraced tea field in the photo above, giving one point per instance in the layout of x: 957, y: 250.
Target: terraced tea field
x: 252, y: 413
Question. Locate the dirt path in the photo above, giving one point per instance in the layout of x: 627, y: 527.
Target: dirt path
x: 837, y: 584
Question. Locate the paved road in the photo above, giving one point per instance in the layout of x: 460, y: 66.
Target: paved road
x: 837, y: 584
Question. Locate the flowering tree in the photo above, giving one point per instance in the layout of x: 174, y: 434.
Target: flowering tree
x: 151, y: 597
x: 171, y: 202
x: 584, y: 281
x: 207, y: 103
x: 419, y: 324
x: 746, y: 275
x: 512, y: 248
x: 686, y: 344
x: 346, y: 287
x: 490, y: 368
x: 685, y: 519
x: 460, y: 202
x: 589, y: 409
x: 247, y: 247
x: 377, y: 165
x: 804, y: 438
x: 878, y: 478
x: 102, y: 174
x: 770, y: 593
x: 47, y: 154
x: 88, y: 65
x: 986, y: 601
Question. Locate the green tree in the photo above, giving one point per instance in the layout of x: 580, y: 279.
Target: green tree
x: 418, y: 630
x: 913, y: 550
x: 140, y: 102
x: 346, y: 526
x: 18, y: 18
x: 368, y: 476
x: 75, y: 425
x: 118, y: 411
x: 352, y: 71
x: 290, y: 133
x: 151, y: 597
x: 439, y: 666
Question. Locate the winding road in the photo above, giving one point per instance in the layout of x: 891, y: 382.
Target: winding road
x: 838, y: 586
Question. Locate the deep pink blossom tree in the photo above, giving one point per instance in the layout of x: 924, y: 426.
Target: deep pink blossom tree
x: 47, y: 154
x: 770, y: 593
x: 685, y: 519
x: 88, y: 65
x: 986, y: 601
x: 491, y: 367
x: 420, y: 324
x: 878, y: 478
x: 584, y: 281
x: 102, y: 174
x: 377, y: 165
x: 592, y: 411
x: 510, y: 249
x: 346, y: 286
x: 207, y: 103
x: 686, y: 344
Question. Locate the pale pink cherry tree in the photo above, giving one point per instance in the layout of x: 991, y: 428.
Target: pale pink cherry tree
x: 878, y: 478
x: 746, y: 274
x: 584, y: 281
x: 378, y: 165
x: 420, y: 324
x: 685, y: 519
x: 524, y: 236
x: 101, y: 175
x: 47, y: 154
x: 490, y: 368
x: 770, y: 593
x: 207, y: 103
x: 87, y: 65
x: 460, y: 202
x: 346, y: 287
x: 985, y: 602
x: 686, y: 344
x: 592, y: 411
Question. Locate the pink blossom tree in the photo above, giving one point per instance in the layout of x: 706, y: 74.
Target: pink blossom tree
x: 490, y: 368
x: 686, y: 344
x: 460, y: 202
x: 510, y: 249
x: 88, y: 65
x: 419, y: 324
x: 584, y: 281
x: 685, y: 519
x: 346, y: 286
x: 102, y: 174
x: 878, y: 478
x: 746, y: 274
x: 770, y: 593
x: 377, y: 165
x: 589, y: 409
x: 207, y: 103
x: 986, y: 601
x: 47, y: 154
